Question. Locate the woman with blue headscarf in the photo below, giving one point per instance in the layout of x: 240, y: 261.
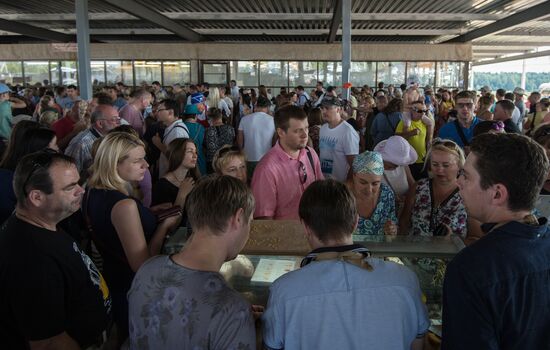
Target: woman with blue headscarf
x: 375, y: 200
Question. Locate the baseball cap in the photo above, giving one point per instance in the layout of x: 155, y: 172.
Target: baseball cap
x: 331, y: 101
x: 197, y: 97
x: 519, y: 91
x: 4, y: 88
x: 191, y: 109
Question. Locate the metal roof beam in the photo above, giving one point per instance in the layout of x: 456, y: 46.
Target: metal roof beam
x: 35, y: 32
x: 256, y: 32
x: 254, y: 16
x: 530, y: 14
x: 155, y: 17
x: 513, y: 58
x: 336, y: 20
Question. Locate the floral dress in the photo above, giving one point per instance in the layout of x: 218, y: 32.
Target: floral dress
x: 384, y: 211
x: 450, y: 212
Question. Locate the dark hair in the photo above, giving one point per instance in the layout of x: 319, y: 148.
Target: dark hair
x: 37, y: 139
x: 284, y: 114
x: 215, y: 199
x: 507, y: 106
x: 104, y: 98
x: 33, y: 173
x: 17, y: 145
x: 300, y: 87
x: 515, y: 161
x: 214, y: 113
x: 501, y: 92
x: 509, y: 96
x: 466, y: 94
x: 315, y: 117
x: 328, y: 208
x: 542, y: 135
x: 173, y: 105
x: 263, y: 102
x: 176, y: 153
x: 155, y: 83
x: 72, y: 87
x: 395, y: 105
x: 485, y: 126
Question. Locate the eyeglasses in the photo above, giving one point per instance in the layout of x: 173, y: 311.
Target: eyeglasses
x: 111, y: 119
x: 420, y: 110
x: 160, y: 109
x: 303, y: 172
x: 43, y: 159
x: 462, y: 105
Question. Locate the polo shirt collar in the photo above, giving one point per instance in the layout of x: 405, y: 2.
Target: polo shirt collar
x: 283, y: 156
x: 343, y: 248
x: 516, y: 228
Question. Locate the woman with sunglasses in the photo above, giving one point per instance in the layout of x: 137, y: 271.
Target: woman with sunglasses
x: 375, y: 200
x: 434, y: 206
x: 125, y: 232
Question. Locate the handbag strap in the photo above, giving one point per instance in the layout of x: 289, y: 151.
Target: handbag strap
x: 461, y: 133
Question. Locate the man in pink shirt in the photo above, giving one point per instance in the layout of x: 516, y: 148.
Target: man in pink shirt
x: 287, y: 169
x: 133, y: 111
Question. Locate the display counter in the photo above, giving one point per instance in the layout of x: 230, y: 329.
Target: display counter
x: 276, y: 247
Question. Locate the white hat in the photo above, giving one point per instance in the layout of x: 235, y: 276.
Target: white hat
x: 397, y: 150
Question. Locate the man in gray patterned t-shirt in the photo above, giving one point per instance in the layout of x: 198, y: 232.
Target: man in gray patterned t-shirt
x: 181, y: 301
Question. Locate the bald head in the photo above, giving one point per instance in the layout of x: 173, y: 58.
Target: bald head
x: 105, y: 118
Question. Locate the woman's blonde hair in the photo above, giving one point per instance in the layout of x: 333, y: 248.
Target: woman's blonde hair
x: 224, y: 155
x: 447, y: 146
x: 112, y: 151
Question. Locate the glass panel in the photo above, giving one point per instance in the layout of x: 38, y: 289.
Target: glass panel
x: 69, y: 73
x: 363, y: 73
x: 330, y: 73
x: 303, y: 73
x: 274, y: 73
x: 245, y: 73
x: 98, y: 72
x: 114, y: 72
x: 391, y: 73
x: 423, y: 72
x: 54, y: 70
x: 147, y: 72
x: 127, y: 73
x: 449, y: 74
x: 214, y: 73
x: 176, y: 72
x: 36, y: 72
x: 11, y: 72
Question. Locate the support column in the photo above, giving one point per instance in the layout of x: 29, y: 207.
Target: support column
x: 523, y: 73
x: 83, y: 44
x: 346, y: 45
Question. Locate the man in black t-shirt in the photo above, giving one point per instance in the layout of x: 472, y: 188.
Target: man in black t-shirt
x: 52, y: 295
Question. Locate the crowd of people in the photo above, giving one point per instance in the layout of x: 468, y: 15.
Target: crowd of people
x: 92, y: 189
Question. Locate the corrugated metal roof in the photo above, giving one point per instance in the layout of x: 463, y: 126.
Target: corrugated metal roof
x: 408, y: 21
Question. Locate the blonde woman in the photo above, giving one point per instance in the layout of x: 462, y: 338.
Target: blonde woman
x: 124, y: 231
x: 434, y: 206
x: 230, y: 160
x: 215, y: 101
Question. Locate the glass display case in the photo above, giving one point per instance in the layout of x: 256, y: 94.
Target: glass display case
x: 276, y: 247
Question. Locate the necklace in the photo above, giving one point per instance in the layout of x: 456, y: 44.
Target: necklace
x: 31, y: 221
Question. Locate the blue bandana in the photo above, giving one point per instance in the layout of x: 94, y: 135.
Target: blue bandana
x: 368, y: 163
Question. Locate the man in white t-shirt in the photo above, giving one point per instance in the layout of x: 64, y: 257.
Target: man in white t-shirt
x: 338, y: 141
x: 256, y: 132
x: 167, y: 113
